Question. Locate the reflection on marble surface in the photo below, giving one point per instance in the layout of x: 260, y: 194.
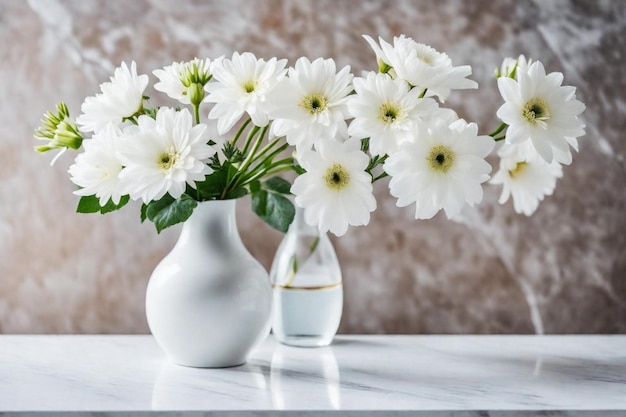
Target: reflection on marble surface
x: 176, y: 385
x: 561, y: 271
x: 386, y: 373
x: 295, y: 372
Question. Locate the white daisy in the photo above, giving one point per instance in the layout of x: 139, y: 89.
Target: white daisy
x: 182, y: 80
x: 164, y: 155
x: 311, y: 102
x: 443, y: 169
x: 387, y: 111
x: 422, y: 66
x: 525, y: 179
x: 335, y: 192
x: 120, y: 98
x: 242, y: 86
x: 97, y: 169
x: 538, y: 109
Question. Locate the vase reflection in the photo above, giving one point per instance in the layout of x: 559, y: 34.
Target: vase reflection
x: 292, y: 371
x: 203, y: 388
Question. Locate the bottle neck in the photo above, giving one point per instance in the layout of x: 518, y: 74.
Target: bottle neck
x: 301, y: 226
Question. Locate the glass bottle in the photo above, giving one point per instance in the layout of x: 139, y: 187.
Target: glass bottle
x: 307, y: 287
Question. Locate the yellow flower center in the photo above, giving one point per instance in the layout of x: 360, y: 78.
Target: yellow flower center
x: 389, y: 112
x: 336, y: 177
x: 536, y: 110
x: 168, y: 159
x: 314, y: 103
x: 519, y: 168
x: 441, y: 158
x: 249, y: 86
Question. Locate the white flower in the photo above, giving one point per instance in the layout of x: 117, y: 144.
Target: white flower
x: 335, y: 191
x: 242, y: 86
x: 443, y: 169
x: 386, y: 111
x: 445, y: 115
x: 97, y: 169
x: 538, y: 109
x: 120, y: 98
x: 422, y: 66
x: 164, y: 155
x: 311, y: 102
x: 181, y: 80
x: 527, y: 180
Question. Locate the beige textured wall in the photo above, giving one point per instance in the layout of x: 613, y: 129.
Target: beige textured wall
x: 562, y: 270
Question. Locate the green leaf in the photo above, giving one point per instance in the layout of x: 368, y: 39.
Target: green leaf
x: 255, y: 186
x: 144, y: 215
x: 213, y: 185
x: 365, y: 144
x: 88, y: 204
x: 274, y: 209
x: 278, y: 185
x: 232, y: 152
x: 111, y: 206
x: 214, y: 163
x: 91, y: 204
x: 168, y: 211
x: 236, y: 193
x: 150, y: 111
x: 232, y: 171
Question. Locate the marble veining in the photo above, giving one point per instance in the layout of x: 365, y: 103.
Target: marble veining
x: 570, y: 374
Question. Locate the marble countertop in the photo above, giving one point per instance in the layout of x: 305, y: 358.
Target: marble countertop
x: 423, y: 375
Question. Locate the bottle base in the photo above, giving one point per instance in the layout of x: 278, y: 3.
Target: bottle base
x: 305, y: 340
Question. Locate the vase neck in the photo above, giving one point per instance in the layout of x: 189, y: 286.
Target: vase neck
x: 211, y: 224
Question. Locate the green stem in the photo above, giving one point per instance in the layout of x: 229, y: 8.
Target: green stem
x: 377, y: 160
x: 130, y: 119
x: 236, y: 180
x: 498, y: 130
x: 284, y: 164
x: 267, y: 148
x: 251, y: 135
x: 196, y: 112
x: 240, y: 131
x: 261, y: 167
x: 423, y: 93
x: 246, y: 163
x: 272, y: 155
x: 279, y: 170
x: 500, y: 138
x: 381, y: 176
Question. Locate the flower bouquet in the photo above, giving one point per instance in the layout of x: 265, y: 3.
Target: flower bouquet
x: 172, y: 158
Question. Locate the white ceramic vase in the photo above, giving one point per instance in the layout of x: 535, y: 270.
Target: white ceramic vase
x: 209, y: 301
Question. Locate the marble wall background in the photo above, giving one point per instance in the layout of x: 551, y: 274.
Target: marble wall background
x: 562, y: 270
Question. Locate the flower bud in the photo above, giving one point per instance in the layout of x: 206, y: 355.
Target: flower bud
x: 58, y: 130
x: 383, y: 67
x: 196, y: 93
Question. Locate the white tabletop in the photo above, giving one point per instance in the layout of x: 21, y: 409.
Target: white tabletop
x: 580, y: 374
